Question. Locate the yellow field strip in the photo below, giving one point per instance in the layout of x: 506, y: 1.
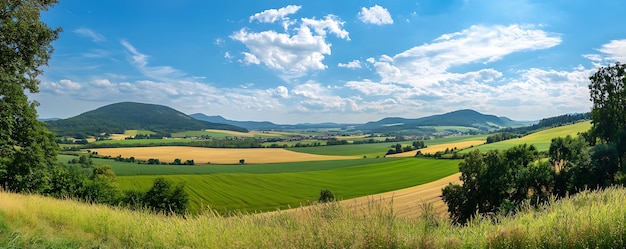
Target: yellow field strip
x: 405, y: 203
x: 216, y: 155
x: 440, y: 147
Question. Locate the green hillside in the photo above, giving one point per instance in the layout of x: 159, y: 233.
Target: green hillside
x: 541, y: 139
x: 119, y: 117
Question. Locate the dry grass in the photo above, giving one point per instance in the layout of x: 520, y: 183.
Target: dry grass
x: 216, y: 155
x: 432, y: 149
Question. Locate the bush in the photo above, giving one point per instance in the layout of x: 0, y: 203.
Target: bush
x: 326, y: 196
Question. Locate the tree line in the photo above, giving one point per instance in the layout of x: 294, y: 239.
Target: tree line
x: 499, y: 182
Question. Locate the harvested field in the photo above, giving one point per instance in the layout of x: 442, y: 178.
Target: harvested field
x: 406, y: 203
x: 441, y: 147
x: 216, y: 155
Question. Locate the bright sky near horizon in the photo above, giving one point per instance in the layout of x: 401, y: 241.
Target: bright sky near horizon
x: 331, y: 61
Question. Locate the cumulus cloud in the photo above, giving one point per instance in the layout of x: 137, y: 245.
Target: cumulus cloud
x: 355, y: 64
x: 375, y: 15
x: 94, y: 36
x: 292, y: 54
x: 273, y: 15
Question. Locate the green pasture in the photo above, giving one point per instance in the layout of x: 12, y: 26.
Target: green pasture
x: 265, y: 192
x: 144, y: 142
x: 134, y: 169
x: 541, y: 139
x: 377, y: 149
x: 451, y: 128
x: 293, y: 143
x: 216, y: 134
x: 132, y: 133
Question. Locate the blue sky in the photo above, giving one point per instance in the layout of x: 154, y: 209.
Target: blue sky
x: 331, y: 61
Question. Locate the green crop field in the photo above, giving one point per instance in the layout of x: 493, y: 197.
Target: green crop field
x: 144, y: 142
x: 540, y: 139
x: 134, y: 169
x: 377, y: 149
x: 265, y: 192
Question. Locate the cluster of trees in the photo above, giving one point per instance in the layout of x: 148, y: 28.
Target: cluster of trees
x: 501, y: 181
x: 99, y: 186
x: 395, y: 149
x: 132, y: 159
x: 501, y: 136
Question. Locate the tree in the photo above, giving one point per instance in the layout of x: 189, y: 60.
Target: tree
x: 27, y: 148
x: 608, y: 114
x: 162, y: 197
x: 326, y: 196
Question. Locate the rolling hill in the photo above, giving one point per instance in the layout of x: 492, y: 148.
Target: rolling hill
x: 467, y: 118
x: 118, y: 117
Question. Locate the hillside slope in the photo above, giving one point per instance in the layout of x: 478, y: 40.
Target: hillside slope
x: 118, y: 117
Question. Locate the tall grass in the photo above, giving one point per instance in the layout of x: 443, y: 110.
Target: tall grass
x: 588, y: 220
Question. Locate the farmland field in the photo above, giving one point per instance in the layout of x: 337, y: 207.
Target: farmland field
x: 224, y: 133
x: 133, y: 169
x: 378, y: 149
x: 441, y: 147
x: 267, y: 192
x: 216, y: 155
x: 541, y: 139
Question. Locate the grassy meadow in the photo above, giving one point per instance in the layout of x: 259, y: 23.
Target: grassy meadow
x: 587, y: 220
x: 216, y: 155
x: 541, y: 139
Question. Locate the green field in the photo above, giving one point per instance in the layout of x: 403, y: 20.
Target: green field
x: 144, y: 142
x: 377, y: 149
x: 451, y: 128
x: 134, y: 169
x: 265, y: 192
x: 216, y: 134
x: 540, y: 139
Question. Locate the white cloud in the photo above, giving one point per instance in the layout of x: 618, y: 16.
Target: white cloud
x: 273, y: 15
x: 250, y: 58
x: 429, y: 63
x: 140, y: 61
x: 281, y: 91
x: 64, y: 85
x: 94, y: 36
x: 355, y: 64
x: 613, y: 51
x: 375, y: 15
x: 331, y: 23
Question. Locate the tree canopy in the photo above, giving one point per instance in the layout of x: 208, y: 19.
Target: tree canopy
x: 27, y: 148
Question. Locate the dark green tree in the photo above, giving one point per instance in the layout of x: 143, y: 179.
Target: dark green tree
x: 326, y: 196
x: 165, y: 198
x: 27, y: 148
x: 608, y: 114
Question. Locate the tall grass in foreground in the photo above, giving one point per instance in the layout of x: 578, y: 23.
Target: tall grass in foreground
x: 587, y: 220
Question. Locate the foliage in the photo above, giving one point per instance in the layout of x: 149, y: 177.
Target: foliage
x: 498, y: 182
x: 27, y: 148
x: 501, y: 136
x: 550, y: 122
x: 326, y: 196
x: 608, y: 93
x: 165, y: 198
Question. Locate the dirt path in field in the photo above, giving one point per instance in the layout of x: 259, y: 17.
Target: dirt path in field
x: 406, y: 202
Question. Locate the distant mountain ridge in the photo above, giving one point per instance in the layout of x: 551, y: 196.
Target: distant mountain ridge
x: 466, y: 117
x: 118, y: 117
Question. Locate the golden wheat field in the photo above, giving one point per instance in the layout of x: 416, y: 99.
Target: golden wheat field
x: 216, y: 155
x: 441, y: 147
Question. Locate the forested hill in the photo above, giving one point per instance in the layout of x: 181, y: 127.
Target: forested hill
x: 116, y: 118
x: 468, y: 118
